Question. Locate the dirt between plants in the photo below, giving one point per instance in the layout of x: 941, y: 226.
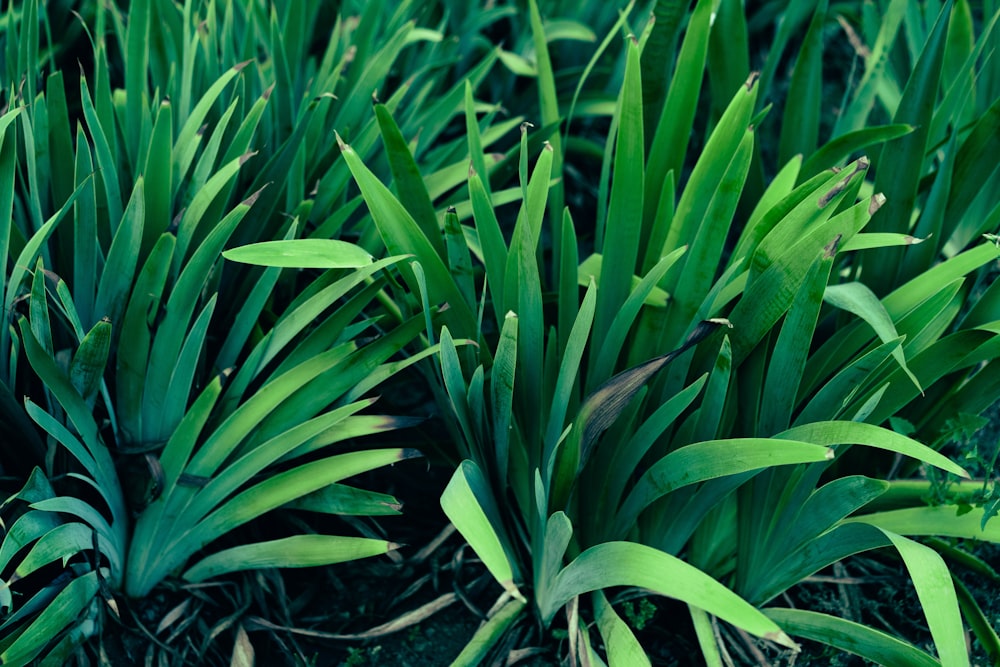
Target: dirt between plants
x: 434, y: 592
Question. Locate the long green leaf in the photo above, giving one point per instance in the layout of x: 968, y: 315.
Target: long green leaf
x: 833, y: 433
x: 295, y: 551
x: 856, y: 638
x: 301, y: 253
x: 467, y: 503
x: 900, y: 164
x: 116, y: 279
x: 711, y: 459
x: 628, y: 564
x: 57, y: 615
x: 623, y: 227
x: 402, y: 235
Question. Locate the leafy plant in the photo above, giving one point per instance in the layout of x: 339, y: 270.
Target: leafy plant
x: 695, y: 409
x: 559, y: 420
x: 179, y: 397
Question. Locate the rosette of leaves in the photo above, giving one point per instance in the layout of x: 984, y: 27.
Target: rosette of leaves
x: 210, y: 459
x: 205, y: 85
x: 551, y: 449
x: 173, y: 398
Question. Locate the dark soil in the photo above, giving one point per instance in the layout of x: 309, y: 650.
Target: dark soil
x: 436, y: 593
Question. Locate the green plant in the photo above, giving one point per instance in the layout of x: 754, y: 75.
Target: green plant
x: 639, y: 617
x: 702, y: 420
x: 173, y: 397
x: 554, y: 436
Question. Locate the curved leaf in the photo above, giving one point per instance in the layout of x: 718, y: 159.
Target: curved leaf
x: 628, y: 564
x: 832, y: 433
x: 871, y: 644
x: 57, y: 614
x: 302, y: 254
x: 942, y: 520
x: 709, y: 460
x: 466, y: 503
x: 295, y: 551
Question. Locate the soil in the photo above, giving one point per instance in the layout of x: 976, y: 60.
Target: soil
x: 436, y: 592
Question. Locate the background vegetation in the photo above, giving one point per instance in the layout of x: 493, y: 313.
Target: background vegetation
x: 699, y: 297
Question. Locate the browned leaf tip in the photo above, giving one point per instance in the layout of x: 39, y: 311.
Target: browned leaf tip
x: 830, y: 251
x: 876, y: 203
x: 113, y: 606
x: 525, y: 125
x: 782, y: 638
x: 52, y: 276
x: 340, y: 142
x: 224, y: 374
x: 859, y: 166
x: 252, y: 199
x: 451, y: 209
x: 246, y: 156
x: 267, y: 91
x: 752, y: 79
x: 720, y: 321
x: 239, y: 66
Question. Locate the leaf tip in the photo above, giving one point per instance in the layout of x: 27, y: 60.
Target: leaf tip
x: 525, y: 126
x: 252, y: 199
x: 238, y: 67
x: 513, y: 590
x: 780, y: 637
x: 751, y: 80
x: 876, y: 203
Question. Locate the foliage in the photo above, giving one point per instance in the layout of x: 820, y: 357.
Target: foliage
x: 176, y: 396
x: 709, y: 376
x: 557, y: 421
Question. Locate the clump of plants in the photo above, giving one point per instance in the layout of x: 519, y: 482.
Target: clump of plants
x: 740, y: 368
